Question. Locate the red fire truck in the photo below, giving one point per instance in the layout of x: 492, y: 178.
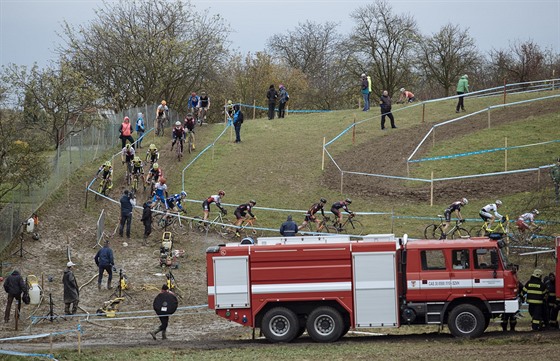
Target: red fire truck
x: 327, y: 285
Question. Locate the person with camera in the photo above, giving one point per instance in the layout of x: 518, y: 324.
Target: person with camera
x: 127, y: 205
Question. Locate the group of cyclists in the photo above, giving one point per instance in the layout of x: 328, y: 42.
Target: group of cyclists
x: 311, y: 214
x: 489, y: 213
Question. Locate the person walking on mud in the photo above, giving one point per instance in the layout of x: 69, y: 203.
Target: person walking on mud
x: 165, y: 304
x: 105, y: 262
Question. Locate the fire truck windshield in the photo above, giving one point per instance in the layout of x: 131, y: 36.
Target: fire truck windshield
x: 504, y: 258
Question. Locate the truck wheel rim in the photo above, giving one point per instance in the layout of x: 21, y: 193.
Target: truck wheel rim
x: 324, y: 325
x: 279, y: 325
x: 466, y: 322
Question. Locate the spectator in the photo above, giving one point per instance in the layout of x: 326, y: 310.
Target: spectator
x: 14, y: 287
x: 127, y: 205
x: 147, y: 219
x: 369, y: 89
x: 140, y: 129
x: 237, y: 121
x: 555, y: 174
x: 283, y: 99
x: 365, y: 92
x: 105, y: 262
x: 550, y: 284
x: 71, y: 290
x: 535, y: 294
x: 406, y: 96
x: 289, y: 228
x: 385, y: 104
x: 271, y: 95
x: 165, y: 304
x: 126, y: 132
x: 462, y: 88
x: 511, y: 318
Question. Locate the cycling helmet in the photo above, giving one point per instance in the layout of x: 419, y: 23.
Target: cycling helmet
x: 137, y: 159
x: 465, y: 201
x: 183, y: 194
x: 221, y: 193
x: 163, y: 102
x: 155, y: 166
x: 348, y: 200
x: 498, y: 202
x: 535, y: 211
x: 177, y: 123
x: 189, y: 115
x: 323, y: 200
x: 229, y: 102
x: 107, y: 163
x: 152, y: 146
x: 402, y: 90
x: 253, y: 201
x: 127, y: 146
x: 202, y: 93
x: 162, y: 180
x: 126, y: 118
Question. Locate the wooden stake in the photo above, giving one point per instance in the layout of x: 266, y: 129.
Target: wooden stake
x: 434, y: 138
x: 354, y: 130
x: 505, y: 83
x: 254, y: 109
x: 341, y: 181
x: 432, y: 190
x: 539, y: 176
x: 423, y: 111
x: 505, y: 156
x: 488, y: 118
x: 323, y: 155
x: 79, y: 342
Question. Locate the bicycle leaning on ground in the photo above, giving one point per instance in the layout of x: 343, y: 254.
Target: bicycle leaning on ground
x: 435, y: 231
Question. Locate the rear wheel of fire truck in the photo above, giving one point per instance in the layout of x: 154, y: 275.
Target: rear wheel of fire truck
x: 466, y: 321
x: 325, y: 324
x: 280, y: 324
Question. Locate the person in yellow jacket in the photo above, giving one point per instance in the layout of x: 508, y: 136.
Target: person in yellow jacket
x: 535, y: 294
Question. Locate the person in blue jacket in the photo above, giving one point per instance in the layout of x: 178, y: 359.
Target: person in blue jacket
x: 237, y: 121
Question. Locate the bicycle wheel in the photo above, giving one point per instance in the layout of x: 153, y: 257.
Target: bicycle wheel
x: 199, y: 225
x: 190, y: 143
x: 100, y: 190
x: 438, y: 232
x: 353, y: 227
x: 460, y: 233
x: 329, y: 229
x: 477, y: 231
x: 430, y: 231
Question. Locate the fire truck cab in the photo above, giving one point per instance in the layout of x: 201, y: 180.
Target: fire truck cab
x: 326, y: 285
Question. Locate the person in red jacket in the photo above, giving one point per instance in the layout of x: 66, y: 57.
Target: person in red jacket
x: 126, y: 132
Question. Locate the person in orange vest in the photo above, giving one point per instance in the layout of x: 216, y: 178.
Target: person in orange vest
x: 126, y: 132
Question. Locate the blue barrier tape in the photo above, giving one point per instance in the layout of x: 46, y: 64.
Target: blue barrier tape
x: 25, y: 354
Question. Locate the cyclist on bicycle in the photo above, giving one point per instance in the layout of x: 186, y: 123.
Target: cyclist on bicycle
x: 310, y: 215
x: 487, y: 216
x: 213, y: 199
x: 189, y: 126
x: 203, y: 106
x: 154, y: 174
x: 178, y: 135
x: 526, y: 221
x: 453, y: 207
x: 152, y: 155
x: 127, y: 154
x: 241, y: 212
x: 229, y: 109
x: 138, y: 167
x: 192, y: 103
x: 335, y: 209
x: 162, y: 113
x: 106, y: 171
x: 160, y: 192
x: 174, y: 202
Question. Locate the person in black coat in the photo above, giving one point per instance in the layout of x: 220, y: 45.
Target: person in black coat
x: 14, y: 287
x: 289, y: 228
x: 385, y: 104
x: 165, y: 304
x: 147, y: 219
x: 71, y: 290
x: 127, y: 205
x: 105, y: 262
x: 271, y: 95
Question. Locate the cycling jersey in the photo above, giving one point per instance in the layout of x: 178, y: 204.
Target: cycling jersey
x: 310, y: 215
x: 193, y: 102
x: 203, y: 102
x: 189, y: 124
x: 527, y: 217
x: 152, y: 156
x: 178, y: 132
x: 128, y: 153
x: 212, y: 199
x: 242, y: 210
x: 455, y: 206
x: 105, y: 171
x: 485, y: 211
x: 175, y: 200
x: 159, y: 193
x: 335, y: 208
x: 154, y: 174
x: 161, y: 109
x: 137, y: 167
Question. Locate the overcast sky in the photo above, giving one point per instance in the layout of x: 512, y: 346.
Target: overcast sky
x: 28, y: 27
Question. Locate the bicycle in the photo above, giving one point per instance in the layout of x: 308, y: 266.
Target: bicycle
x: 103, y: 188
x: 190, y: 141
x: 201, y: 115
x: 160, y: 120
x: 501, y: 227
x: 324, y: 227
x: 136, y: 183
x: 128, y: 173
x: 435, y: 231
x: 350, y: 225
x: 220, y: 224
x: 246, y: 229
x: 179, y: 151
x: 167, y: 219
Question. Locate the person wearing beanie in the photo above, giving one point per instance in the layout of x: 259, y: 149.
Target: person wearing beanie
x: 71, y: 290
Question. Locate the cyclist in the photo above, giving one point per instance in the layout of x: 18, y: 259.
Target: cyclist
x: 335, y: 209
x: 213, y: 199
x: 189, y: 125
x: 178, y: 135
x: 453, y: 207
x: 152, y: 155
x: 138, y: 167
x: 241, y: 212
x: 160, y: 192
x: 229, y: 109
x: 203, y: 107
x: 192, y: 103
x: 310, y: 215
x: 162, y: 113
x: 527, y: 221
x: 487, y: 216
x: 174, y: 202
x: 154, y: 174
x: 127, y: 154
x: 106, y: 171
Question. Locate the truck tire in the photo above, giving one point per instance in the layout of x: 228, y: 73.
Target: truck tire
x: 325, y: 324
x: 280, y: 324
x: 466, y: 321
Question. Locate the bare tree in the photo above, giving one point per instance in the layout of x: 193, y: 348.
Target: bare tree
x: 382, y: 45
x: 446, y: 55
x: 139, y: 52
x: 522, y: 62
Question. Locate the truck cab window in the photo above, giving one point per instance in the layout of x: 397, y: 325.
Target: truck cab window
x: 482, y: 258
x: 432, y: 260
x: 460, y: 259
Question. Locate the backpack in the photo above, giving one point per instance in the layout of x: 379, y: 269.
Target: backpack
x: 240, y: 117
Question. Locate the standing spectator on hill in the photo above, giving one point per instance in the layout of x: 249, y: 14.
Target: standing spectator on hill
x: 406, y: 96
x: 385, y: 104
x: 462, y: 88
x: 105, y: 262
x: 283, y: 99
x: 126, y: 132
x: 14, y: 287
x: 147, y: 219
x: 237, y: 121
x: 365, y: 92
x: 555, y: 174
x: 289, y: 228
x: 369, y: 89
x: 71, y: 290
x: 271, y: 95
x: 140, y: 129
x: 127, y: 205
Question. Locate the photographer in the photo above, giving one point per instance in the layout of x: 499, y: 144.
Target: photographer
x: 127, y: 205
